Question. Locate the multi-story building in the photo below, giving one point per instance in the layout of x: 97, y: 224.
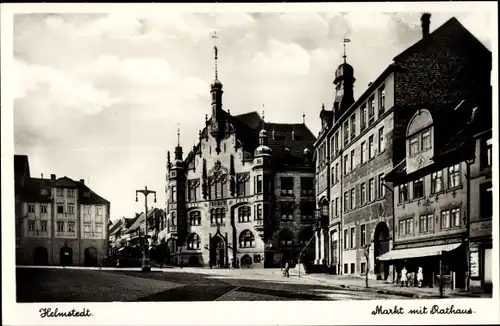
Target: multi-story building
x: 244, y: 195
x: 435, y: 180
x: 61, y: 221
x: 362, y: 141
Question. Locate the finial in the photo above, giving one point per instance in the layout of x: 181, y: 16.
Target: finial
x: 216, y: 50
x: 206, y: 118
x: 263, y: 116
x: 346, y: 40
x: 178, y: 135
x: 228, y: 112
x: 304, y: 118
x: 322, y: 106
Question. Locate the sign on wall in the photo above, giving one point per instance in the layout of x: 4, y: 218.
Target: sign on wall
x: 474, y: 264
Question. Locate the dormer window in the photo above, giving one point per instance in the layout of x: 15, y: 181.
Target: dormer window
x: 419, y: 143
x: 414, y: 145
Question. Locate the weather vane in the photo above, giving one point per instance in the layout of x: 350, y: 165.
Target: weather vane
x: 216, y: 51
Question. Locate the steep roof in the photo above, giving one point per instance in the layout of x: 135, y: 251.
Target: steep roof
x: 88, y: 196
x: 21, y: 172
x: 33, y: 190
x: 139, y: 220
x: 115, y: 227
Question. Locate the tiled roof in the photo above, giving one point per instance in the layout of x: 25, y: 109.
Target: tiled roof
x: 33, y: 190
x: 115, y: 227
x: 92, y: 197
x: 139, y: 220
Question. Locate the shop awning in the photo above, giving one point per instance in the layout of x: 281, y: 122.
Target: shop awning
x: 418, y: 252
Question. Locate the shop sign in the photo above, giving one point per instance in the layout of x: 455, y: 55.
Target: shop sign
x: 480, y: 228
x: 425, y: 243
x: 474, y: 264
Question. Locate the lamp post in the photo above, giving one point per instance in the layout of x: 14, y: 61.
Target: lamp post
x: 145, y: 264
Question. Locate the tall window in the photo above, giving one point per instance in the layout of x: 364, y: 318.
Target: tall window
x: 258, y: 184
x: 486, y: 153
x: 194, y: 241
x: 31, y: 225
x: 346, y: 239
x: 333, y: 175
x: 287, y: 210
x: 337, y: 206
x: 194, y: 218
x: 371, y: 110
x: 346, y: 164
x: 31, y: 208
x: 43, y: 208
x: 307, y: 186
x: 173, y: 194
x: 60, y: 226
x: 346, y: 201
x: 381, y: 188
x: 363, y: 193
x: 486, y: 200
x: 353, y: 159
x: 381, y: 98
x: 353, y: 237
x: 337, y: 172
x: 71, y: 208
x: 403, y: 193
x: 455, y: 217
x: 346, y: 132
x: 363, y: 152
x: 217, y: 215
x: 406, y: 227
x: 60, y: 208
x: 244, y: 213
x: 337, y: 147
x: 99, y: 210
x: 247, y: 239
x: 43, y: 226
x: 193, y: 189
x: 363, y: 235
x: 60, y: 192
x: 418, y: 188
x: 286, y: 186
x: 454, y: 176
x: 353, y: 126
x: 71, y: 226
x: 426, y: 140
x: 259, y: 215
x: 381, y: 143
x: 413, y: 145
x: 307, y: 210
x: 352, y: 199
x: 364, y: 117
x: 371, y: 190
x: 371, y: 148
x: 243, y: 184
x: 445, y: 219
x: 71, y: 192
x: 436, y: 182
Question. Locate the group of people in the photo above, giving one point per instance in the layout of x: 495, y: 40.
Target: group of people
x: 408, y: 278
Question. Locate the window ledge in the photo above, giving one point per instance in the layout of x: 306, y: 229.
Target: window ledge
x: 454, y: 188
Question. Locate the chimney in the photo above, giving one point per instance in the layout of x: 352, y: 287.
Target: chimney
x: 42, y: 175
x: 52, y: 177
x: 426, y: 22
x: 82, y: 181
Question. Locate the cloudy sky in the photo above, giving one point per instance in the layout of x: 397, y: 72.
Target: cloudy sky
x: 98, y: 97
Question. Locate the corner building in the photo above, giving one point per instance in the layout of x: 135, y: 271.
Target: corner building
x: 244, y: 195
x: 362, y: 141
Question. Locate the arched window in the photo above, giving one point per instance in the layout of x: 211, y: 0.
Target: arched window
x: 305, y: 236
x: 285, y: 237
x: 193, y: 241
x: 419, y: 133
x: 194, y: 218
x: 246, y: 260
x: 244, y: 214
x: 247, y: 239
x: 218, y: 186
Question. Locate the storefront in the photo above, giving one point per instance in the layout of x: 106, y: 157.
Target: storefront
x: 440, y: 261
x: 481, y: 268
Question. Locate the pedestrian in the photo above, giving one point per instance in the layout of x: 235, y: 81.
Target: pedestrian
x: 420, y: 277
x: 287, y: 267
x: 404, y: 278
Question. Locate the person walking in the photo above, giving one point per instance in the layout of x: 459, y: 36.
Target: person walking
x: 420, y: 277
x: 287, y: 268
x: 404, y: 277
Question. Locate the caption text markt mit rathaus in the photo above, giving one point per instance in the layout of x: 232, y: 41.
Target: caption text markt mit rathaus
x: 434, y: 310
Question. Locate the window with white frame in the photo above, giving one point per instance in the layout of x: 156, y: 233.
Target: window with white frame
x: 363, y: 234
x: 364, y: 117
x: 31, y: 208
x: 381, y: 143
x: 353, y: 159
x: 71, y: 208
x: 414, y: 145
x: 194, y: 218
x: 363, y: 152
x: 454, y: 176
x: 193, y: 241
x: 346, y: 237
x: 371, y: 190
x: 381, y: 98
x: 363, y: 193
x: 244, y: 214
x: 445, y: 219
x: 403, y: 193
x: 43, y: 209
x: 60, y: 226
x: 426, y: 140
x: 352, y: 199
x: 352, y: 237
x: 371, y: 148
x: 71, y: 226
x: 31, y: 225
x: 436, y: 182
x: 455, y: 217
x: 60, y: 208
x: 346, y: 201
x: 381, y: 188
x: 43, y: 226
x: 353, y: 125
x: 418, y: 188
x: 346, y: 132
x: 247, y: 239
x: 346, y: 164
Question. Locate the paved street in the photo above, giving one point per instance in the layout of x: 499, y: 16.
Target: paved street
x: 188, y: 284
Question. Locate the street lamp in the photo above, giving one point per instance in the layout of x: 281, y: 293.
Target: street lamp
x: 145, y: 263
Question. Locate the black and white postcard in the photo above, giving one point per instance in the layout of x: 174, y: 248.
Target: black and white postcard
x: 301, y: 164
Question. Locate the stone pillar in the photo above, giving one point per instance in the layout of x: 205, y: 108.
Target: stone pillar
x: 322, y: 258
x: 317, y: 248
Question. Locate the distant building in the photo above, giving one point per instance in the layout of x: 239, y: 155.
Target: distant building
x: 362, y: 141
x: 244, y: 195
x: 59, y: 221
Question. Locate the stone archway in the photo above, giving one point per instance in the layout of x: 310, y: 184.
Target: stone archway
x: 40, y: 256
x: 90, y: 256
x: 218, y: 251
x: 66, y: 256
x: 381, y: 241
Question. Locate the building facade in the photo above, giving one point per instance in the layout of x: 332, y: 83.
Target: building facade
x: 62, y: 222
x: 363, y: 140
x: 244, y: 195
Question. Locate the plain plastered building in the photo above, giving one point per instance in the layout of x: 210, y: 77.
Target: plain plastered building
x: 60, y: 221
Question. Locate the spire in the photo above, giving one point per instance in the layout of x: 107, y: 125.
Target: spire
x: 178, y: 135
x: 263, y: 116
x: 346, y: 40
x: 304, y: 118
x: 178, y: 148
x: 216, y: 50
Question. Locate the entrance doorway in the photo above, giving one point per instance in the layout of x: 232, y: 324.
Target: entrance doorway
x: 381, y: 241
x: 90, y: 258
x: 40, y: 256
x: 218, y: 251
x: 66, y: 256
